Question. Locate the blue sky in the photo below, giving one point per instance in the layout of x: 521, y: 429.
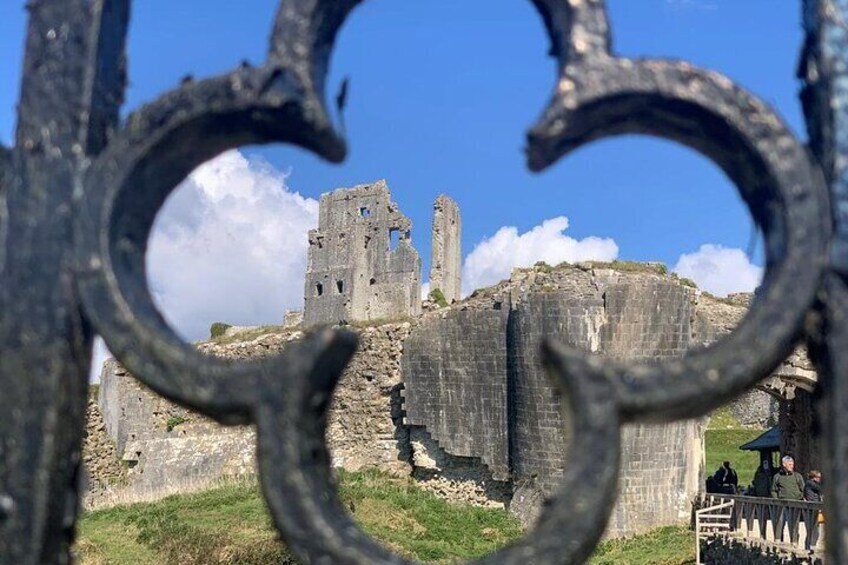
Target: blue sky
x: 442, y: 92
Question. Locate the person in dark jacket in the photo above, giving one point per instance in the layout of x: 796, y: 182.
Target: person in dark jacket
x: 762, y: 480
x: 726, y: 478
x: 812, y: 488
x: 787, y: 484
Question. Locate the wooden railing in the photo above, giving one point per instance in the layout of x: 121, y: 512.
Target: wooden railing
x: 787, y: 524
x: 713, y: 517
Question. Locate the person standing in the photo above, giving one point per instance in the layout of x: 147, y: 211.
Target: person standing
x: 726, y: 478
x: 762, y: 480
x: 787, y: 484
x: 812, y: 488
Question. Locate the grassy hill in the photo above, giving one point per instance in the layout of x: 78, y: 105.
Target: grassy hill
x: 230, y: 524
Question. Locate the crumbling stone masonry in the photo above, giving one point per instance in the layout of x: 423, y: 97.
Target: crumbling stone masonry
x: 361, y: 264
x: 473, y: 380
x: 446, y: 264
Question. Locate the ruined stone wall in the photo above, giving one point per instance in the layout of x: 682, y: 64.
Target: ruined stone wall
x: 456, y: 358
x: 446, y: 264
x: 660, y: 472
x: 538, y: 436
x: 634, y: 316
x: 162, y: 444
x: 756, y: 409
x: 715, y: 317
x: 102, y: 467
x: 360, y: 263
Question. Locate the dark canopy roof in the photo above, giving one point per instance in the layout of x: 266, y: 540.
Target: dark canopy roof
x: 769, y: 440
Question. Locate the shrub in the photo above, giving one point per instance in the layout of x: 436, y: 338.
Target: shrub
x: 437, y: 296
x: 543, y: 267
x: 217, y: 329
x: 687, y: 282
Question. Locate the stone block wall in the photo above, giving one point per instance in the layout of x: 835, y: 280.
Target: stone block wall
x: 453, y: 367
x: 646, y: 320
x: 538, y: 435
x: 625, y: 317
x: 132, y: 413
x: 660, y: 471
x: 162, y: 444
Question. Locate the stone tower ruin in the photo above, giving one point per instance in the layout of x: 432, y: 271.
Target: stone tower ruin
x: 446, y: 251
x: 361, y: 264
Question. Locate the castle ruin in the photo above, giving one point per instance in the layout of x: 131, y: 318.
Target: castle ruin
x: 361, y: 264
x: 454, y: 396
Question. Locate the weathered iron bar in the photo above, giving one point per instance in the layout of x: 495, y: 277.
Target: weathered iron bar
x: 79, y: 193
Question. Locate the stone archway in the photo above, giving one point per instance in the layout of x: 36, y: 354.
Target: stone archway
x: 793, y: 384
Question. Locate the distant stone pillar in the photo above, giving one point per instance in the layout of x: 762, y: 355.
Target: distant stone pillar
x: 446, y: 264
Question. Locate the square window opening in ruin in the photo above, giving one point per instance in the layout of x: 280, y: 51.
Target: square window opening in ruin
x: 365, y: 212
x: 319, y: 289
x: 394, y: 238
x: 340, y: 286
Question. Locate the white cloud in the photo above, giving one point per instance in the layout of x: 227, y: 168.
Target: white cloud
x: 719, y: 270
x: 425, y: 290
x: 493, y: 259
x: 229, y: 245
x: 99, y: 354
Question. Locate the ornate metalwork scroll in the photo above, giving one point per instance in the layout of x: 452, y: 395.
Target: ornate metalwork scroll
x: 79, y: 193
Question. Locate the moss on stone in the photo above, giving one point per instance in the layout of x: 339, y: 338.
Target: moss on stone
x: 174, y: 421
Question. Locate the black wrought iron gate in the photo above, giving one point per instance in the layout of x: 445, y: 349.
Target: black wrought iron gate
x: 79, y: 192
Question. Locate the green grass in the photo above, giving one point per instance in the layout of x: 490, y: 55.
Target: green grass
x: 671, y: 545
x: 230, y: 524
x: 246, y: 335
x: 418, y: 524
x: 223, y: 525
x: 653, y: 267
x: 723, y: 419
x: 543, y: 267
x: 174, y: 421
